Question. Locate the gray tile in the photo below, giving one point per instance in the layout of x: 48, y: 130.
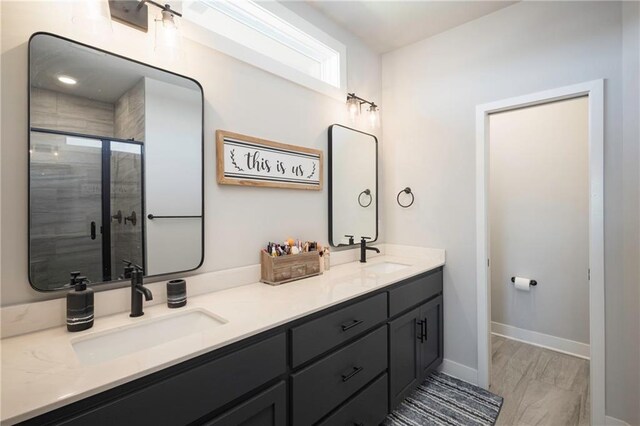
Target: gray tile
x: 539, y: 386
x: 549, y: 405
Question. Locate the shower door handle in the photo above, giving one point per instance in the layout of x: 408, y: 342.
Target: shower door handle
x: 93, y: 230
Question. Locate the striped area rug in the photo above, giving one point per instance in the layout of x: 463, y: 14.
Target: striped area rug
x: 445, y: 400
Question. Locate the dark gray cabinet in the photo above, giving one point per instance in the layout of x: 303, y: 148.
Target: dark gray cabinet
x: 319, y: 388
x: 413, y: 291
x: 368, y: 408
x: 347, y: 365
x: 415, y: 348
x: 320, y: 335
x: 185, y: 397
x: 431, y: 348
x: 404, y: 355
x: 268, y: 408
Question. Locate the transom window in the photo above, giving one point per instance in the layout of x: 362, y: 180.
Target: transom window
x: 271, y: 37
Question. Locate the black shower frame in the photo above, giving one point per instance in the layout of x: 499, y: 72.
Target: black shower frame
x: 105, y: 188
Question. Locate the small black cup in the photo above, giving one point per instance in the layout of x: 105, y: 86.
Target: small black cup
x: 176, y: 293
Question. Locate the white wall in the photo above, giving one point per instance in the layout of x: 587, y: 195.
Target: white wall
x: 430, y: 91
x: 173, y: 179
x: 238, y: 97
x: 539, y: 217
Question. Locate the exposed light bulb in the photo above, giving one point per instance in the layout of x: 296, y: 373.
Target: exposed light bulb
x: 374, y: 115
x: 168, y: 38
x: 353, y: 106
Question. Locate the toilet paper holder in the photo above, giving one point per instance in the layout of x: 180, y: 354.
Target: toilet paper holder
x: 531, y: 282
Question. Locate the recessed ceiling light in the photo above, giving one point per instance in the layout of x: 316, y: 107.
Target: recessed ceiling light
x: 67, y: 80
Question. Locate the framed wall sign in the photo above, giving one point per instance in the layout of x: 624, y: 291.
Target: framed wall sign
x: 245, y: 160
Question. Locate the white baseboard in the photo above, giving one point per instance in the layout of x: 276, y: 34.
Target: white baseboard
x: 459, y: 371
x: 557, y: 344
x: 612, y: 421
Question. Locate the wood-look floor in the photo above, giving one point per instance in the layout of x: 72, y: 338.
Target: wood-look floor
x: 539, y: 386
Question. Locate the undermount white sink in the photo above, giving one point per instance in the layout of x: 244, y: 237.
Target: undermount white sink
x: 385, y: 267
x: 113, y: 344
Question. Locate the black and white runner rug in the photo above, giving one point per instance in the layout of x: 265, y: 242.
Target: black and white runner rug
x: 445, y: 400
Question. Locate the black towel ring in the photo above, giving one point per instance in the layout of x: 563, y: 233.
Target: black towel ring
x: 407, y: 190
x: 365, y: 192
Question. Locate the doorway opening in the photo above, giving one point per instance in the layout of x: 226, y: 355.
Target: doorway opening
x: 565, y: 213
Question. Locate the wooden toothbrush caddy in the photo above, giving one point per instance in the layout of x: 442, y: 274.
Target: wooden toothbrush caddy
x: 283, y: 269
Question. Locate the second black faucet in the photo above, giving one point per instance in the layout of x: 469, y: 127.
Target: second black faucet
x: 364, y: 248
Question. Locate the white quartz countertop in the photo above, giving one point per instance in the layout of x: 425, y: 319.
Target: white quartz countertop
x: 41, y: 372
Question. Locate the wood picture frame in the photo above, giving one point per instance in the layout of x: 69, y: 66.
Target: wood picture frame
x: 250, y: 161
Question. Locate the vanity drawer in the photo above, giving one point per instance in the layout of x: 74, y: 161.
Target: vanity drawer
x: 368, y: 408
x: 319, y: 388
x: 187, y: 396
x: 415, y: 291
x: 318, y: 336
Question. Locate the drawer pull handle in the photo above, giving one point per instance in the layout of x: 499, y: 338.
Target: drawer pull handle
x: 348, y: 376
x: 358, y: 424
x: 421, y: 335
x: 352, y: 324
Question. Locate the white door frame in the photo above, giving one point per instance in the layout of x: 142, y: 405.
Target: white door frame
x: 595, y: 92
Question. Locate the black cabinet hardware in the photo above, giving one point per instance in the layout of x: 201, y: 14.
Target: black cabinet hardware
x: 151, y: 217
x: 424, y: 328
x: 352, y: 324
x: 93, y: 230
x: 358, y: 424
x: 420, y: 324
x: 348, y: 376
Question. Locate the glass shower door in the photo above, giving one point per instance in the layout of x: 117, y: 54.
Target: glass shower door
x: 66, y: 208
x: 127, y: 221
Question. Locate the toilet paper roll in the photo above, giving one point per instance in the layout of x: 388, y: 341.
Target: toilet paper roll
x: 522, y: 284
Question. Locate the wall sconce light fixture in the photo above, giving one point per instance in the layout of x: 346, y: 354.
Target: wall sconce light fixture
x: 354, y: 106
x: 135, y: 13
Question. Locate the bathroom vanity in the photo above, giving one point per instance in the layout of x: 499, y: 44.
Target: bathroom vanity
x: 341, y: 348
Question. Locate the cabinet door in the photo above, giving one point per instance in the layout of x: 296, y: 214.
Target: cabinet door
x: 432, y: 347
x: 266, y: 409
x: 405, y: 334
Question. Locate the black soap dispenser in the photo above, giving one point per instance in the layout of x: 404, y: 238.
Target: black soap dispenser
x: 79, y: 304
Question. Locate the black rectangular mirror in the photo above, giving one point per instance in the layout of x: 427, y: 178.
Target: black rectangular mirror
x: 115, y: 165
x: 353, y: 185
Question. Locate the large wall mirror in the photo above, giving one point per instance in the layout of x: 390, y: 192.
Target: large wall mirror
x: 353, y: 185
x: 115, y: 166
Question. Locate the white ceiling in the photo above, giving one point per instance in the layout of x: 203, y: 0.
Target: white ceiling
x: 100, y: 76
x: 388, y: 25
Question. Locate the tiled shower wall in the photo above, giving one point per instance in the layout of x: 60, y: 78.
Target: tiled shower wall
x: 66, y: 113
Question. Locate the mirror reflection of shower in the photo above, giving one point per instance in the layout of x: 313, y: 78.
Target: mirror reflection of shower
x: 86, y: 194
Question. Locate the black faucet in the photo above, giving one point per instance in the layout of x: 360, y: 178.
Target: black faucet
x: 350, y: 242
x: 364, y: 248
x: 137, y: 290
